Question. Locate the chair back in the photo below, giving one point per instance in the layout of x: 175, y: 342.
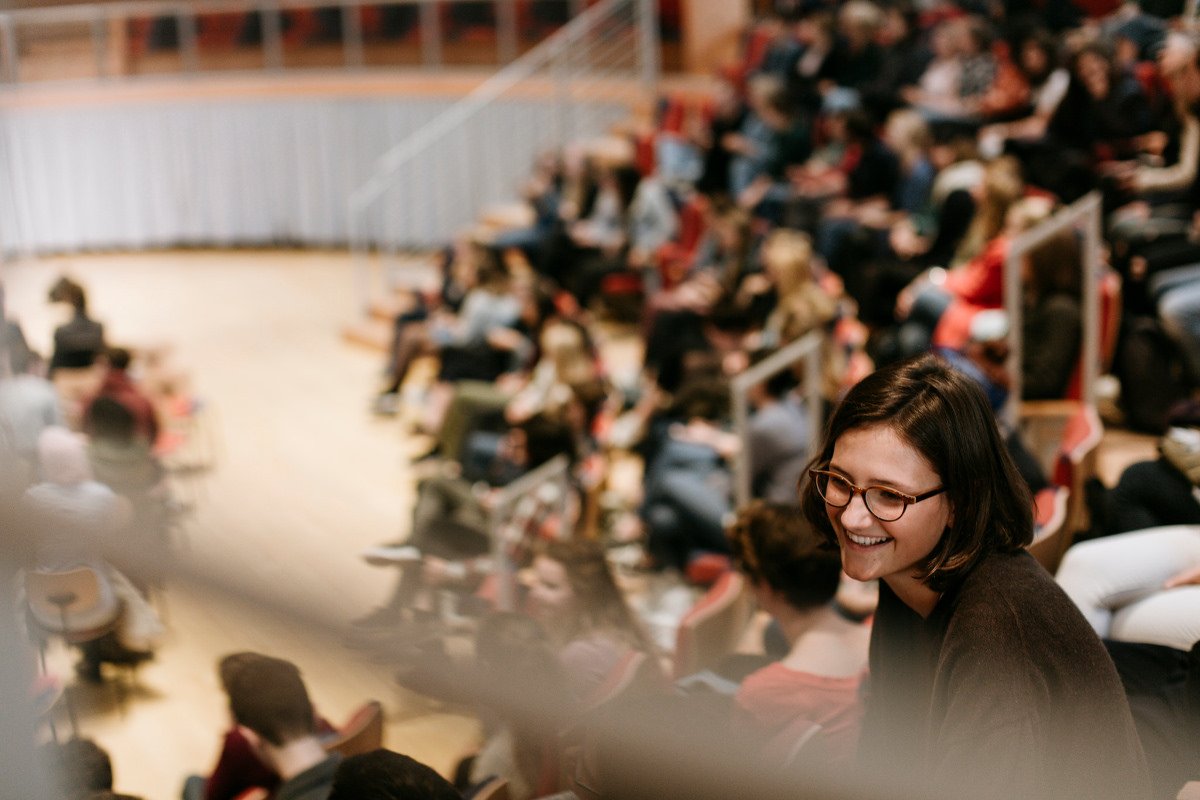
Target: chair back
x: 362, y: 733
x: 714, y: 625
x: 1062, y: 510
x: 76, y: 602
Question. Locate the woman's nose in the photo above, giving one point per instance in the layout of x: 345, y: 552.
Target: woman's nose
x: 856, y: 515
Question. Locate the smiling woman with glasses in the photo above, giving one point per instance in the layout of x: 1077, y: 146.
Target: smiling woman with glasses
x: 985, y: 679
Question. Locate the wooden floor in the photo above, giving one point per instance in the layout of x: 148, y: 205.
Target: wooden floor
x: 306, y: 478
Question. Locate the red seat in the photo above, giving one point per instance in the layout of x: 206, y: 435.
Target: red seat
x: 714, y: 626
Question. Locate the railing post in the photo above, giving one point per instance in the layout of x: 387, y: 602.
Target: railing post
x: 649, y: 45
x: 359, y: 262
x: 99, y: 41
x: 506, y: 30
x: 352, y: 35
x: 272, y: 37
x: 12, y: 61
x: 1092, y: 273
x: 431, y: 34
x: 185, y: 21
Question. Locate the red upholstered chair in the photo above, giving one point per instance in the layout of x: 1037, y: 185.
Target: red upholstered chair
x: 713, y: 627
x: 1074, y: 464
x: 675, y: 258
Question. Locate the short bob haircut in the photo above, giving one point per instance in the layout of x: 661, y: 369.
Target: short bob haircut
x: 944, y: 415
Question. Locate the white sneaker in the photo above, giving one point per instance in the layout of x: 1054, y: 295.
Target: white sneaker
x: 390, y: 556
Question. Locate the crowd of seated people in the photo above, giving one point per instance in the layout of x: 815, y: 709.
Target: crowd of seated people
x: 92, y: 499
x: 862, y: 172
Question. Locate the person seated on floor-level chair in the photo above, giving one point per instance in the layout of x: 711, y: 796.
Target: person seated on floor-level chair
x: 80, y: 340
x: 238, y: 767
x: 270, y: 704
x: 72, y: 519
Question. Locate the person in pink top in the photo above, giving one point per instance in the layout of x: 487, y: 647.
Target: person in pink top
x: 794, y: 578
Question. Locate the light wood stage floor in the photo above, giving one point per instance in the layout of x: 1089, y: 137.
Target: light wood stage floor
x: 306, y: 478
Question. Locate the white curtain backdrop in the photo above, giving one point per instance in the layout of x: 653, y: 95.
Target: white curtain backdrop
x: 242, y: 171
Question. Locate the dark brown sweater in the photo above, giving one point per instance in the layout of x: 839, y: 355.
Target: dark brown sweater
x: 1004, y: 691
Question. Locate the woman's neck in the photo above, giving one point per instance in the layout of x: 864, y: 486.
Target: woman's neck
x: 914, y: 593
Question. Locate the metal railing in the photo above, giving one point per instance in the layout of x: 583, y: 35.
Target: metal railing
x: 807, y: 349
x: 132, y: 39
x: 555, y: 473
x: 578, y: 83
x: 1084, y: 216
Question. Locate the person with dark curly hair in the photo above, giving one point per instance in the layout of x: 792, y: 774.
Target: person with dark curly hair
x: 795, y: 575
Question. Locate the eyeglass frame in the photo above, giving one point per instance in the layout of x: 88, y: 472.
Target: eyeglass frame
x: 909, y: 499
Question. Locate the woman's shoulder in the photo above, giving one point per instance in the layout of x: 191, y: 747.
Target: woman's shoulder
x: 1009, y: 607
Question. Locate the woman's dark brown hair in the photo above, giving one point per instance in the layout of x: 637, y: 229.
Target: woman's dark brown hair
x: 944, y: 415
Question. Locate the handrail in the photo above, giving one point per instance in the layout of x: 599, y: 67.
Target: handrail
x: 807, y: 349
x: 549, y: 54
x: 557, y: 469
x: 1084, y: 213
x: 485, y: 93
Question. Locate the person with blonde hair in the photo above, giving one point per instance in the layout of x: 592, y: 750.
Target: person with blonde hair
x: 802, y: 305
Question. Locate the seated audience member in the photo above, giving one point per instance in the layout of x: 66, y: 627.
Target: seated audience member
x: 487, y: 305
x: 73, y: 518
x: 1052, y: 319
x: 1151, y: 494
x: 1100, y: 117
x: 122, y: 460
x: 1163, y: 686
x: 795, y: 577
x: 384, y: 775
x: 772, y: 138
x: 986, y: 681
x: 12, y: 338
x: 1141, y: 586
x: 239, y: 767
x: 1037, y: 60
x: 450, y: 541
x: 28, y: 405
x: 119, y: 386
x: 270, y: 705
x: 82, y: 770
x: 955, y: 85
x: 79, y: 341
x: 522, y: 685
x: 573, y: 595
